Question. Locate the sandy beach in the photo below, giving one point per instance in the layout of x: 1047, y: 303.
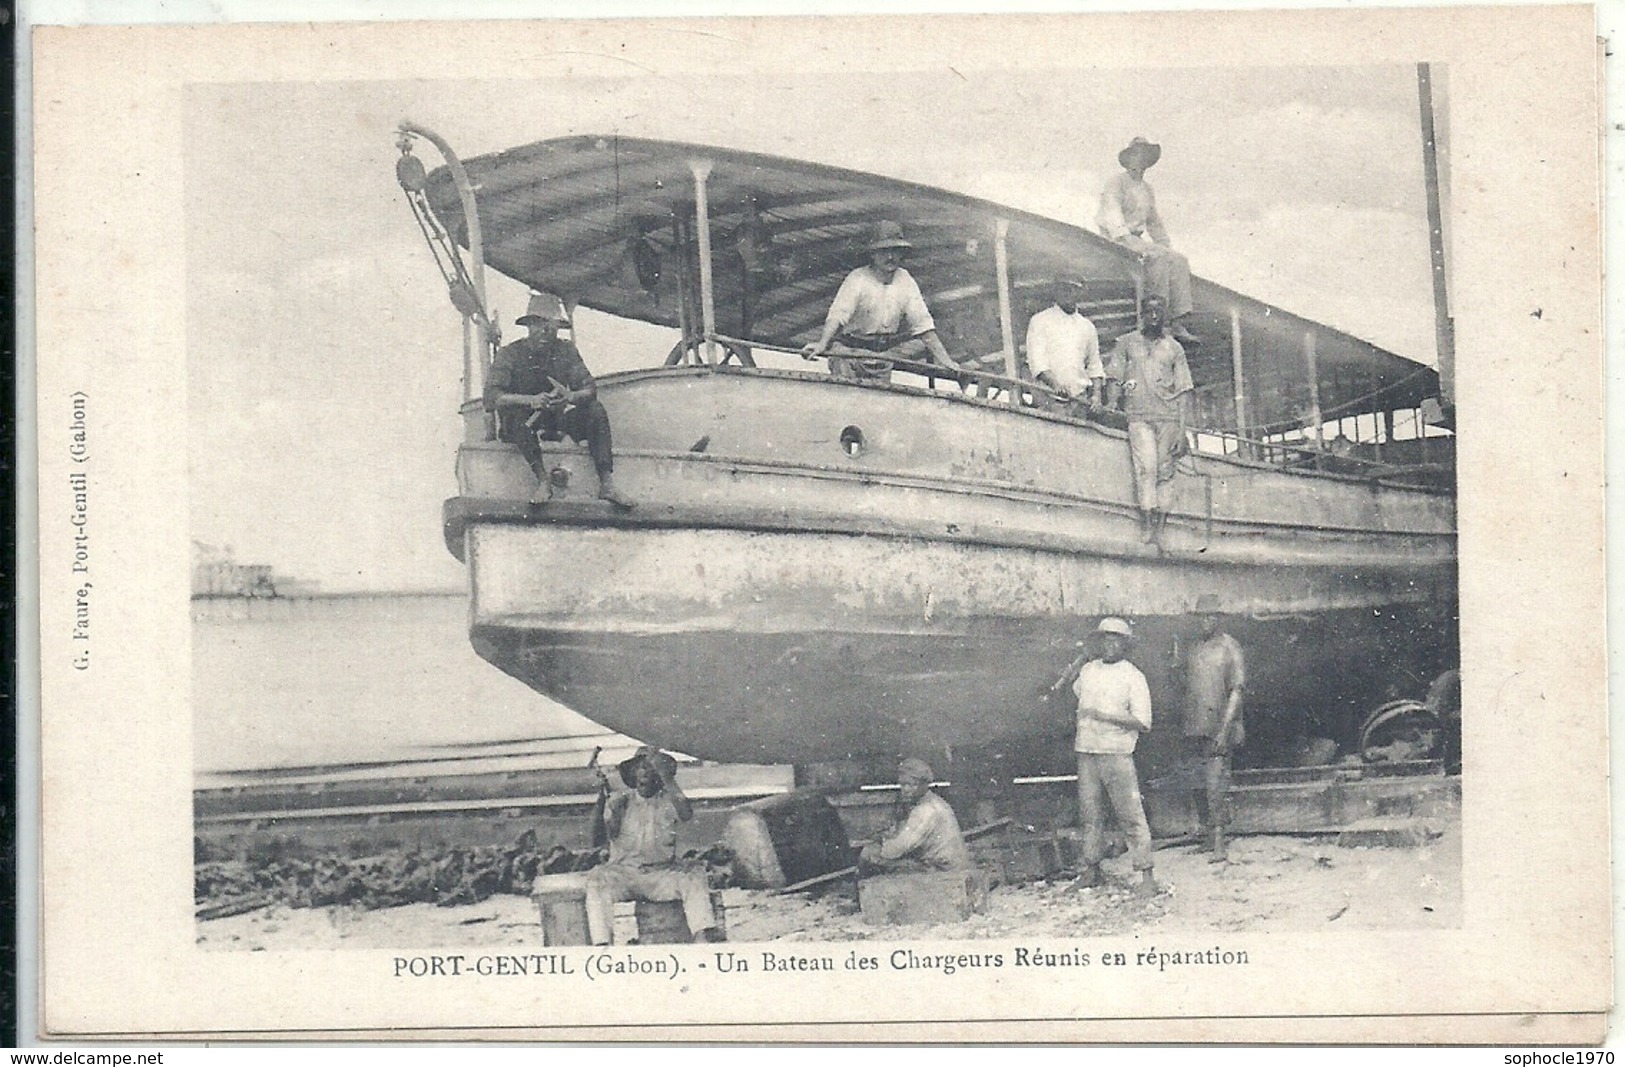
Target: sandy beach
x: 1272, y: 884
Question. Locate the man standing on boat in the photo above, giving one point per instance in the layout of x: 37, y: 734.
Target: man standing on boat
x: 1114, y: 709
x: 1147, y: 374
x: 641, y: 825
x: 1215, y: 679
x: 879, y: 311
x: 1063, y: 353
x: 1128, y: 215
x: 925, y: 836
x: 539, y: 387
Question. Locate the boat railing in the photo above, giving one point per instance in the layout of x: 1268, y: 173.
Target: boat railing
x: 986, y: 382
x: 1227, y: 443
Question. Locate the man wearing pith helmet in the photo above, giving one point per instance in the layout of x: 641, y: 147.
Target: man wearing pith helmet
x: 539, y: 387
x: 1114, y: 709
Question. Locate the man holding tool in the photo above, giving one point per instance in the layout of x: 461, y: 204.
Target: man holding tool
x: 640, y: 825
x: 540, y: 389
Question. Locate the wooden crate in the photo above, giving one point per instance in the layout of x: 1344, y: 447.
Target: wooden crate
x: 923, y: 897
x: 662, y: 922
x: 561, y: 900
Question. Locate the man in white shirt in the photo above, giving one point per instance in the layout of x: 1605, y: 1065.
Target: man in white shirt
x: 1128, y: 215
x: 1114, y: 708
x: 1063, y: 353
x: 879, y: 310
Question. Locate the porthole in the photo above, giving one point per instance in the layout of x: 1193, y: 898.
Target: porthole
x: 852, y: 442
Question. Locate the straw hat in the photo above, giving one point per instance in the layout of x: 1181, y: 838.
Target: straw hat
x: 1140, y: 147
x: 629, y: 765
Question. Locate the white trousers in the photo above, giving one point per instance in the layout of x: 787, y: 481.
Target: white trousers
x: 614, y: 882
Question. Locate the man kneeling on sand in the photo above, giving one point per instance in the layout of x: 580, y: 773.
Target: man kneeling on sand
x: 641, y: 825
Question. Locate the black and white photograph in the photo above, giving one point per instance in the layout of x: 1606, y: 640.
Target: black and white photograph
x: 688, y: 524
x: 968, y: 558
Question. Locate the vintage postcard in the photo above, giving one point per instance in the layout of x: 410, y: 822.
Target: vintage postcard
x: 1071, y: 527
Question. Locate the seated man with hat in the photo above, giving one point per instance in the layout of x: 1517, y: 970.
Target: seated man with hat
x: 1128, y: 215
x: 925, y: 835
x: 641, y: 824
x: 538, y: 387
x: 1114, y: 709
x: 879, y: 310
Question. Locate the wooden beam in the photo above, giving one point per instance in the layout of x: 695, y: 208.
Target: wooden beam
x: 1236, y: 372
x: 1001, y: 261
x: 1314, y: 383
x: 1444, y: 329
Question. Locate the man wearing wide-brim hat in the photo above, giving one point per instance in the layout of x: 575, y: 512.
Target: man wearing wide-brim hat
x: 641, y: 826
x: 879, y: 311
x: 539, y: 388
x: 1215, y: 680
x: 1114, y: 709
x: 1128, y: 215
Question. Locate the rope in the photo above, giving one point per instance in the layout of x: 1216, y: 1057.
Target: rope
x: 456, y: 274
x: 431, y: 234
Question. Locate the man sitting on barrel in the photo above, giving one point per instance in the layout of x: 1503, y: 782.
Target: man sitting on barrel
x: 925, y: 836
x: 641, y: 826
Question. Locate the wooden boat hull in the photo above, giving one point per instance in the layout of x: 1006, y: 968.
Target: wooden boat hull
x: 775, y: 598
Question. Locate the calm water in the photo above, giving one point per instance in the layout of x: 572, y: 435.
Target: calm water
x: 349, y: 680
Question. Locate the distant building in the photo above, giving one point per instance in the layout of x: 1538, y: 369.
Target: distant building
x: 216, y: 574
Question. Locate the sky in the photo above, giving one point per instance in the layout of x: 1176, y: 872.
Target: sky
x: 324, y: 358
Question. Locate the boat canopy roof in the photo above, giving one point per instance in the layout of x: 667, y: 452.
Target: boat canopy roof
x: 608, y: 222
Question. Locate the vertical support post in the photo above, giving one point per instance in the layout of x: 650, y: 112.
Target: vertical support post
x: 1239, y: 379
x: 1314, y: 389
x: 1444, y: 328
x: 1001, y: 264
x: 468, y: 357
x: 679, y: 244
x: 702, y: 228
x: 1387, y: 433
